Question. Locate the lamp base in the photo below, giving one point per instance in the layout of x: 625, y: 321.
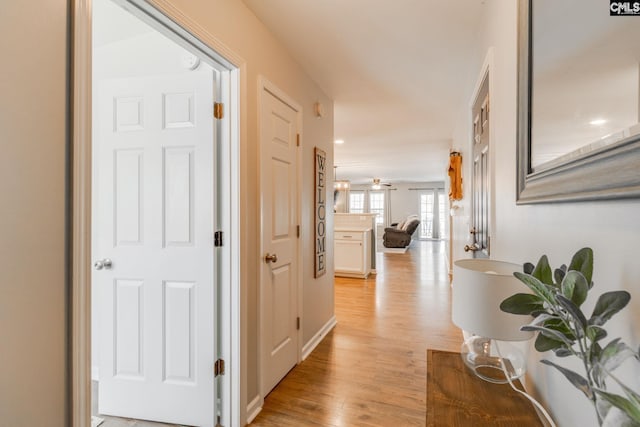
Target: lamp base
x: 485, y: 358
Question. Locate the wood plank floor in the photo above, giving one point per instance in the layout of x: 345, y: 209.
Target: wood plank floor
x: 371, y: 369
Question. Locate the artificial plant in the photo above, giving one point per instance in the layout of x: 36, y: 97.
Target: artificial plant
x: 564, y: 329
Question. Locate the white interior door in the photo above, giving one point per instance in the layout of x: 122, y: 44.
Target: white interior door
x: 279, y: 287
x: 154, y: 219
x: 481, y: 184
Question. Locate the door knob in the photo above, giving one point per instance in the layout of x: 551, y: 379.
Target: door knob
x: 474, y: 247
x: 270, y: 258
x: 103, y: 263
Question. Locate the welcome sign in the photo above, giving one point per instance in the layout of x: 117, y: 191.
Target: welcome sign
x: 320, y: 212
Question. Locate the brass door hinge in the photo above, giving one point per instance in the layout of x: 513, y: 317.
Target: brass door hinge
x: 298, y: 140
x: 218, y: 368
x: 218, y: 110
x: 297, y: 323
x: 297, y: 231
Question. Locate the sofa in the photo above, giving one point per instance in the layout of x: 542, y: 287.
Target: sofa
x: 399, y: 235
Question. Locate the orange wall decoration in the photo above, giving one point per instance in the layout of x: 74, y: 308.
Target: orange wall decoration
x: 455, y: 176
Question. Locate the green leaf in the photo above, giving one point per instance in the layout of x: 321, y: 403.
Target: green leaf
x: 542, y: 271
x: 544, y: 343
x: 582, y: 261
x: 559, y: 273
x: 577, y: 380
x: 562, y: 352
x: 574, y: 286
x: 632, y: 395
x: 614, y: 354
x: 596, y: 333
x: 630, y: 408
x: 595, y: 352
x: 528, y: 268
x: 522, y: 304
x: 537, y: 287
x: 573, y: 310
x: 609, y: 304
x: 546, y: 319
x: 549, y: 333
x: 557, y: 324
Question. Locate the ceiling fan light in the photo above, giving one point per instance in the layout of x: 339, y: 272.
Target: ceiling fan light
x: 341, y: 185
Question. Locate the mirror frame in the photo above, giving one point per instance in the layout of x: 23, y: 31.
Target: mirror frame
x: 611, y: 172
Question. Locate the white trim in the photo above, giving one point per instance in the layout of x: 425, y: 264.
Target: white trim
x: 317, y: 338
x: 254, y: 408
x: 238, y: 298
x: 300, y: 189
x: 264, y: 85
x: 80, y: 298
x: 195, y: 34
x: 488, y: 67
x: 186, y: 32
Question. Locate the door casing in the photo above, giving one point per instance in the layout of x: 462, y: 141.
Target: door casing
x: 169, y: 20
x: 486, y: 77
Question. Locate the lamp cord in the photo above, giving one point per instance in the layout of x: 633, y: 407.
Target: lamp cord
x: 524, y: 393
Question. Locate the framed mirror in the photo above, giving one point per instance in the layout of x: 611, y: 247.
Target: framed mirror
x: 578, y: 102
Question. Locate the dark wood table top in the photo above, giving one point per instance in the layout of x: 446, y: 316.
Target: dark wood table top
x: 456, y: 397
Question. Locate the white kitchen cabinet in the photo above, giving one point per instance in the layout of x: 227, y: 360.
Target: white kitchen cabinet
x: 352, y: 252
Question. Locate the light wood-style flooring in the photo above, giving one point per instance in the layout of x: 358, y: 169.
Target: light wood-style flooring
x: 371, y: 369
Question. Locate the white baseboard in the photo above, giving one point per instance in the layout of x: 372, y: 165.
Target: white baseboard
x: 95, y: 373
x: 313, y: 342
x: 254, y: 408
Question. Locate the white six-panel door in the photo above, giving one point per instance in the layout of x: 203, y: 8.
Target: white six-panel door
x: 155, y: 219
x: 279, y: 195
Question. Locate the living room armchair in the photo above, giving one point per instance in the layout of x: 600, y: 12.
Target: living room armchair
x: 399, y: 236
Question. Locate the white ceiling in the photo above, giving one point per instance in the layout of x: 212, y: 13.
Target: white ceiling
x: 114, y: 24
x: 399, y: 73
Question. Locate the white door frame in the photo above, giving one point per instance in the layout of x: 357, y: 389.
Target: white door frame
x: 486, y: 74
x: 266, y: 85
x: 188, y: 33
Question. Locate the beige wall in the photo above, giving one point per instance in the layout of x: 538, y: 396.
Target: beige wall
x: 523, y: 233
x: 33, y: 142
x: 32, y: 221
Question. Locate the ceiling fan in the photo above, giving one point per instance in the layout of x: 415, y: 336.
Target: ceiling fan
x: 377, y: 185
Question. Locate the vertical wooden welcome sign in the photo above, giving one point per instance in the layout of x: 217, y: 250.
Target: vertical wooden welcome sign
x: 320, y: 160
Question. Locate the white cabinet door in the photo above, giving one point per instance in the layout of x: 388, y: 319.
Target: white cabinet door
x: 349, y: 256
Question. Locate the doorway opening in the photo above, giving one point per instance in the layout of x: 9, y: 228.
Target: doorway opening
x: 164, y: 299
x: 432, y: 215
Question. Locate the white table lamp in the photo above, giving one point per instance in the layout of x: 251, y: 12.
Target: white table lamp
x: 479, y: 286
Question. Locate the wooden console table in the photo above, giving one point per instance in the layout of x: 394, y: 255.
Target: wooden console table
x: 456, y: 397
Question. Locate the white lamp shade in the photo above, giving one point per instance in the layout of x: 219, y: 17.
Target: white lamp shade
x: 479, y: 286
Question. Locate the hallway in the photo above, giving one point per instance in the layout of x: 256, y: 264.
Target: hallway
x: 371, y: 369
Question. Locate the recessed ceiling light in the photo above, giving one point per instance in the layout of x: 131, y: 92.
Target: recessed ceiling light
x: 597, y: 122
x: 339, y: 141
